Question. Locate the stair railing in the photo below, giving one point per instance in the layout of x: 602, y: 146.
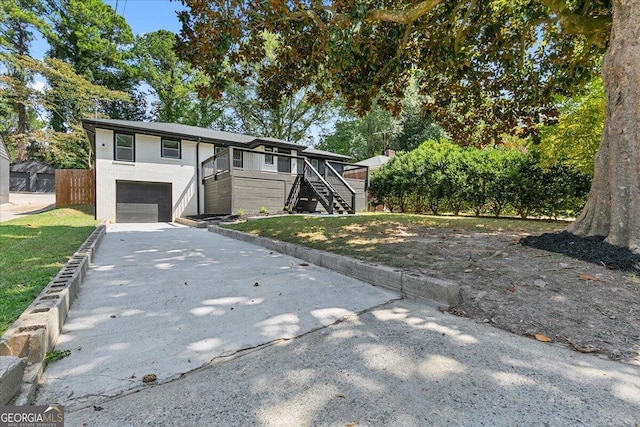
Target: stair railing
x: 339, y: 182
x: 310, y: 171
x: 292, y: 200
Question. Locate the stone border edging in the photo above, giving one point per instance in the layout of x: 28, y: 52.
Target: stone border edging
x: 191, y: 222
x: 409, y: 284
x: 28, y: 340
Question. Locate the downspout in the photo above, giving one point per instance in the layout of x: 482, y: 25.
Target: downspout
x: 198, y: 182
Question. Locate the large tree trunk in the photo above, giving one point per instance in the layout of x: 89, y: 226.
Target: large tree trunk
x: 613, y: 207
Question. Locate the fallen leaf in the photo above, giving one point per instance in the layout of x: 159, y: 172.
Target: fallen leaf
x: 339, y: 395
x: 133, y: 376
x: 113, y: 316
x: 468, y: 270
x: 588, y: 277
x: 511, y: 288
x: 97, y: 408
x: 149, y: 378
x: 355, y: 423
x: 303, y: 264
x: 542, y: 338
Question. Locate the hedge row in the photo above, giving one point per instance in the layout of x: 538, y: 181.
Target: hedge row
x: 441, y: 176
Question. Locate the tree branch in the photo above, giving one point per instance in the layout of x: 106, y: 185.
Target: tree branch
x: 595, y: 28
x: 406, y: 16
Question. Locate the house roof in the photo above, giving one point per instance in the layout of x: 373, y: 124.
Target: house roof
x: 324, y: 154
x: 374, y: 162
x: 188, y: 132
x: 4, y: 154
x: 32, y: 166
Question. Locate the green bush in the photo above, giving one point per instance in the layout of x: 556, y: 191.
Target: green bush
x: 440, y: 175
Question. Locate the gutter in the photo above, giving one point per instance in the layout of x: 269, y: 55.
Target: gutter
x: 198, y: 181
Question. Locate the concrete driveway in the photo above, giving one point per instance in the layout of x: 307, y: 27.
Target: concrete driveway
x: 164, y: 299
x: 21, y: 204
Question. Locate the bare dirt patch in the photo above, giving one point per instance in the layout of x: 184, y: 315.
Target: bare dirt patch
x: 593, y: 307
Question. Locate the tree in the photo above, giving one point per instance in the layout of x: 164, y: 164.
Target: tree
x: 518, y: 54
x: 19, y: 20
x: 173, y: 83
x: 290, y: 119
x: 244, y: 109
x: 69, y: 148
x: 363, y: 137
x: 93, y: 38
x: 576, y: 136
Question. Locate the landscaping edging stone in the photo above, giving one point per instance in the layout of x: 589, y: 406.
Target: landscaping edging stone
x: 410, y: 285
x: 36, y: 331
x: 191, y: 222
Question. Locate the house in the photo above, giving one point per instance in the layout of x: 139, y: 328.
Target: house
x: 148, y: 172
x: 4, y: 173
x: 373, y: 163
x: 32, y: 176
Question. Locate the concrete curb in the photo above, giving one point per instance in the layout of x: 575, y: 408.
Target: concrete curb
x: 36, y: 331
x: 410, y: 285
x: 191, y: 223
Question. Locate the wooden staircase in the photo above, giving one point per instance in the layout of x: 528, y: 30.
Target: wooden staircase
x: 311, y: 182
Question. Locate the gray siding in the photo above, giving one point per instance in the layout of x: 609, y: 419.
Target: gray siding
x: 217, y: 196
x: 251, y: 194
x: 361, y: 196
x: 246, y: 190
x: 4, y: 180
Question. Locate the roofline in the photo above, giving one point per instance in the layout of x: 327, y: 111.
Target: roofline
x: 90, y: 125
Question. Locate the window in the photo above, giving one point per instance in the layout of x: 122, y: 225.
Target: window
x: 237, y: 159
x: 314, y: 163
x: 124, y: 147
x: 170, y: 149
x: 268, y: 158
x: 218, y: 149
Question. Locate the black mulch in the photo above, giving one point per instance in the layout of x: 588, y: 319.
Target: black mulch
x: 209, y: 217
x: 590, y: 249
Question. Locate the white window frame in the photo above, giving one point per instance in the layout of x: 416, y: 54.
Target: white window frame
x: 165, y: 152
x: 268, y: 158
x: 239, y: 160
x: 117, y: 148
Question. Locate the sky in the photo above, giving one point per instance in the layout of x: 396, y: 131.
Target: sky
x: 144, y: 16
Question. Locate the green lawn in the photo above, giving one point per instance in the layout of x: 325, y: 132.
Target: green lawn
x: 32, y: 251
x: 377, y: 237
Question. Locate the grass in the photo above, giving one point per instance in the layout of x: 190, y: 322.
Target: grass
x: 378, y: 237
x: 33, y: 249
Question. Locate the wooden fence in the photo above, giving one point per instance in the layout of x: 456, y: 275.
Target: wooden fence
x: 75, y: 187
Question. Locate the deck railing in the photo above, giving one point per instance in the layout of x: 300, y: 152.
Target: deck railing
x: 234, y: 158
x: 216, y: 164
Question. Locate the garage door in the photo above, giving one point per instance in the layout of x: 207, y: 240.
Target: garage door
x: 143, y: 201
x: 45, y: 183
x: 19, y: 182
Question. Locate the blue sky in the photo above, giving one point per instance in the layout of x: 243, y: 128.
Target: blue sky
x: 145, y: 16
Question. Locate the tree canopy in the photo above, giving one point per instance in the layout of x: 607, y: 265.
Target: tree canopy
x: 489, y: 66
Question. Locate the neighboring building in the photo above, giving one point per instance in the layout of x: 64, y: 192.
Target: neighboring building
x: 373, y: 163
x: 4, y: 173
x: 148, y: 172
x: 32, y: 176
